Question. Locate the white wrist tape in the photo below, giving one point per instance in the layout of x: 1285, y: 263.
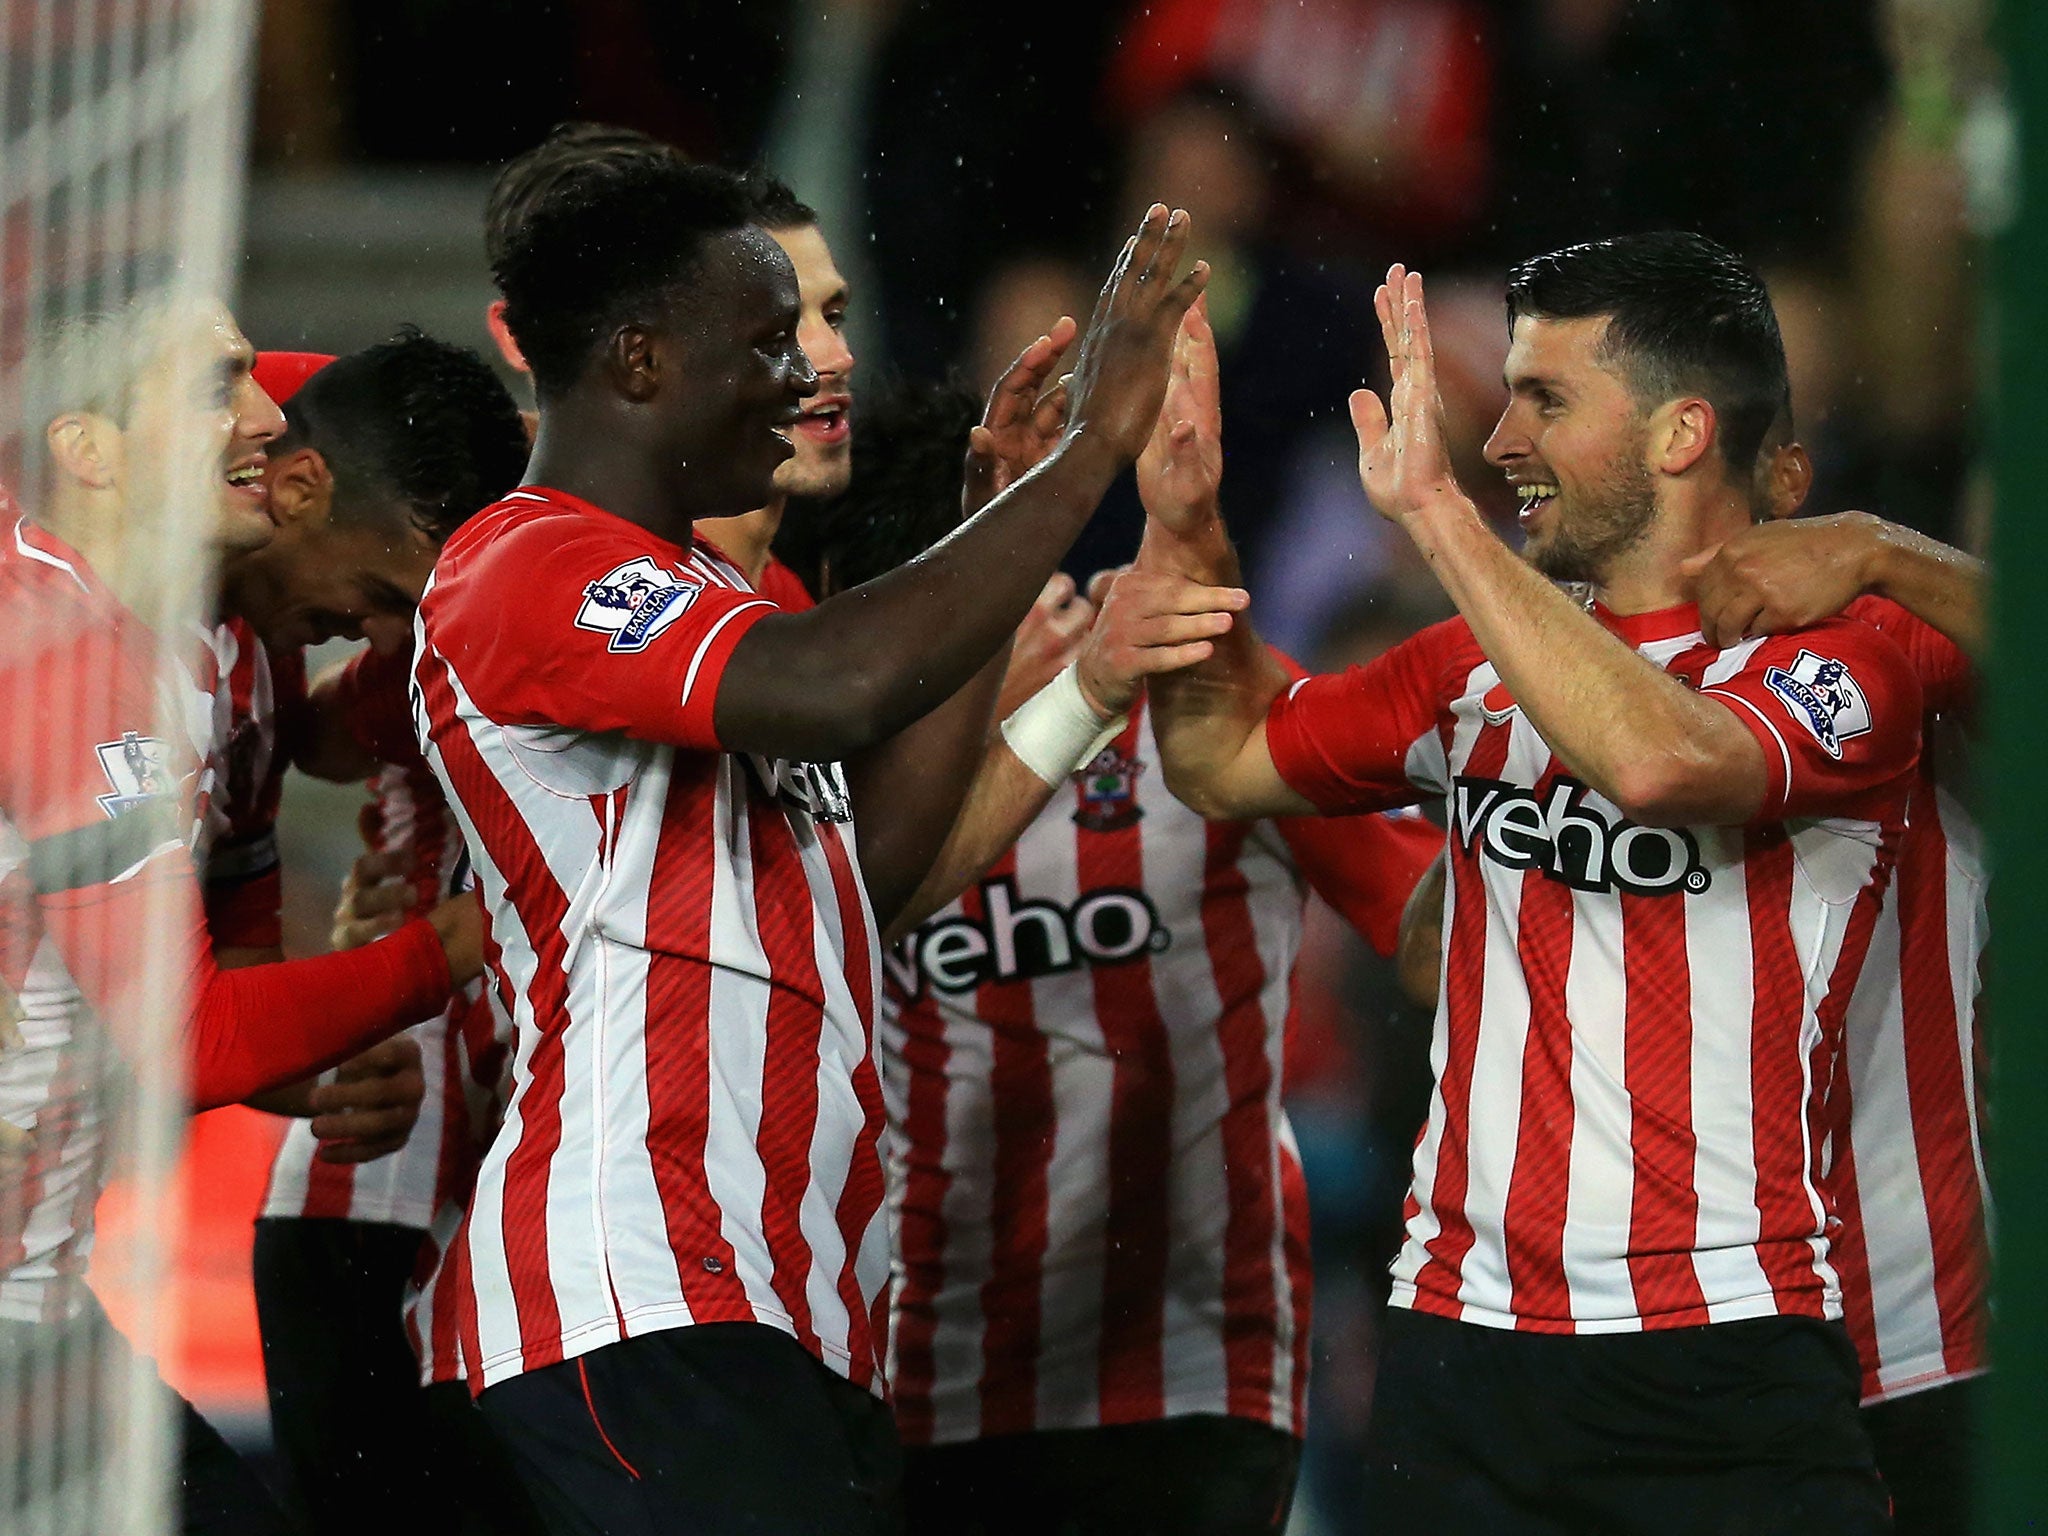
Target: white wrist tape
x: 1057, y: 730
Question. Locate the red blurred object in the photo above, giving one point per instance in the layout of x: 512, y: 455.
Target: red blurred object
x: 281, y: 373
x: 210, y: 1351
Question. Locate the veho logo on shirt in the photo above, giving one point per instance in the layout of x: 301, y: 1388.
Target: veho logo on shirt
x: 1573, y: 842
x: 1018, y: 940
x: 817, y: 789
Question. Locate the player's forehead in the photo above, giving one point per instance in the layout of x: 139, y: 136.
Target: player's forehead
x: 1542, y: 348
x: 762, y: 279
x: 818, y: 277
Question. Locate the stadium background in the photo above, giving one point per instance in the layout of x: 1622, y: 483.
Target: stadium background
x: 970, y: 163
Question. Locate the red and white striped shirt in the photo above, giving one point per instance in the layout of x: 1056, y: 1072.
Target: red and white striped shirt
x: 104, y: 786
x: 1637, y: 1024
x: 1100, y: 1216
x: 1909, y: 1181
x: 682, y: 939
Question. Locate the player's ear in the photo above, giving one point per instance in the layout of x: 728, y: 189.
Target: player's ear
x: 82, y: 444
x: 1791, y: 479
x: 501, y: 333
x: 300, y: 484
x: 634, y: 362
x: 1681, y: 433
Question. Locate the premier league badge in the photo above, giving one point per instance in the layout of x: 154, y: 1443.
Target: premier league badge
x: 1823, y: 697
x: 634, y: 603
x: 138, y: 768
x: 1106, y: 791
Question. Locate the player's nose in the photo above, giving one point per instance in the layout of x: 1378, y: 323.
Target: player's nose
x: 1507, y: 442
x: 259, y: 418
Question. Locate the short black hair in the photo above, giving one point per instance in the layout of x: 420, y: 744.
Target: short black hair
x: 772, y: 205
x: 413, y: 424
x: 604, y: 247
x: 909, y: 449
x: 1685, y: 316
x: 568, y: 150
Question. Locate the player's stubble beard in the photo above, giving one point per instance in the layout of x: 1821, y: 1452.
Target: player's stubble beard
x: 1595, y: 526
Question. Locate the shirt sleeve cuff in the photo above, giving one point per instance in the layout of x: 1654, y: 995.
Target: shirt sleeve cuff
x: 1777, y: 755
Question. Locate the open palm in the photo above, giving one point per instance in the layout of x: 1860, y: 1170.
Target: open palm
x: 1402, y: 459
x: 1181, y: 469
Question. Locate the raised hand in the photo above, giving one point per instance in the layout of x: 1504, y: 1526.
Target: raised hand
x: 1181, y: 470
x: 1023, y: 421
x: 1151, y: 622
x: 1402, y: 457
x: 1120, y: 378
x: 369, y: 1108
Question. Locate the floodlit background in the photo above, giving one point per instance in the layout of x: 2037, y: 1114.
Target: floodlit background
x: 975, y: 164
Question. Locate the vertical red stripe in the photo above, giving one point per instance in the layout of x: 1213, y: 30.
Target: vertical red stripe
x: 921, y: 1231
x: 330, y: 1187
x: 1020, y: 1089
x: 1438, y: 1281
x: 1784, y: 1246
x: 1250, y: 1172
x: 1138, y: 1221
x: 1300, y: 1279
x: 538, y: 901
x: 1664, y: 1146
x: 1533, y: 1216
x: 677, y: 1048
x: 861, y: 1196
x: 783, y: 915
x: 1847, y: 1250
x: 1938, y: 1087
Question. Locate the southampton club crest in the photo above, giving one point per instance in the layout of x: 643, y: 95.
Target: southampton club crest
x: 1106, y: 791
x: 138, y: 769
x: 634, y: 603
x: 1823, y: 697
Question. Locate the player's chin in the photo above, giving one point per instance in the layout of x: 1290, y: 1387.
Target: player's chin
x: 817, y: 471
x: 240, y: 528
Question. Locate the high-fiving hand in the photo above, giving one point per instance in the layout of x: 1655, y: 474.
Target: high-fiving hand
x: 1023, y: 422
x: 1120, y: 377
x: 1402, y: 456
x: 1180, y: 473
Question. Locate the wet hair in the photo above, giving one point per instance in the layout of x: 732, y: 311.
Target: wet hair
x: 411, y: 424
x: 772, y: 205
x: 526, y: 180
x: 1685, y: 316
x: 909, y: 445
x: 613, y: 244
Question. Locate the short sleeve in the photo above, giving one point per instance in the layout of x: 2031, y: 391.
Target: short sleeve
x: 590, y: 628
x: 1948, y: 679
x: 1836, y: 709
x: 1365, y: 867
x: 1365, y: 739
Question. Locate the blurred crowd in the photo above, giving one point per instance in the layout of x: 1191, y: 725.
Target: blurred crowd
x: 969, y: 161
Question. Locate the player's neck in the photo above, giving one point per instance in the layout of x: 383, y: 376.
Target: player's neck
x: 746, y: 540
x: 586, y: 459
x: 1650, y: 577
x: 155, y: 589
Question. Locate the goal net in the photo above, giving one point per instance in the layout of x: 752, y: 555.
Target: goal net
x: 121, y: 155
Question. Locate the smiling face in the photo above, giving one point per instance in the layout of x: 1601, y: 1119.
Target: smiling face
x: 1573, y: 441
x: 320, y: 579
x: 734, y: 378
x: 200, y: 418
x: 823, y: 462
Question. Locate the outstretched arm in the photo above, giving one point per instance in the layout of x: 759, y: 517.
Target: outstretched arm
x: 856, y: 669
x: 1210, y: 720
x: 1789, y: 574
x: 1662, y: 753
